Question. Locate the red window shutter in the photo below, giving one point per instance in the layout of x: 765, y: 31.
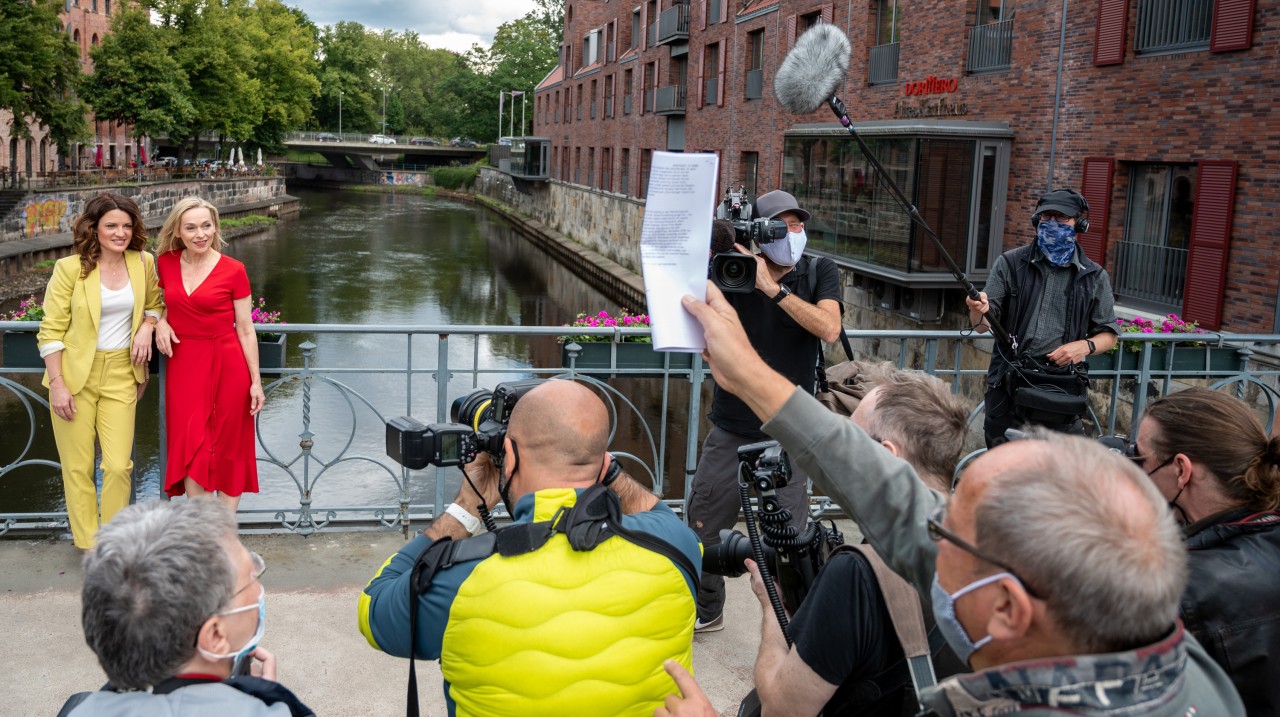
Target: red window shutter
x: 790, y: 31
x: 1096, y: 188
x: 1113, y: 24
x: 1232, y: 25
x: 720, y: 84
x: 1210, y: 246
x: 828, y: 13
x: 724, y: 12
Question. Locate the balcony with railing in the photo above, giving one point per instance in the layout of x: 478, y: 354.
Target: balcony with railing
x: 884, y: 64
x: 990, y: 47
x: 1150, y: 275
x: 669, y: 100
x: 673, y: 24
x: 755, y: 84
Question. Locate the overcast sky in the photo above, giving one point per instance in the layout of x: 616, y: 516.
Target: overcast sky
x: 443, y: 24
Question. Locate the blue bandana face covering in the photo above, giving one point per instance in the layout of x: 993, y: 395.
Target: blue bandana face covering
x: 944, y: 612
x: 1057, y: 241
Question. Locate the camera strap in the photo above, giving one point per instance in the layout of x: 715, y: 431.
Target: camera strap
x: 907, y: 616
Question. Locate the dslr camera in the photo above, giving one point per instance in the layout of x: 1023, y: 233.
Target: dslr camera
x: 793, y: 557
x: 480, y: 421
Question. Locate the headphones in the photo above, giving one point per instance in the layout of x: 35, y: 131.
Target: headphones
x: 1082, y: 221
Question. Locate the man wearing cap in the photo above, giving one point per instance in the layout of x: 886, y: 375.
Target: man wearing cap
x: 1052, y: 298
x: 796, y: 305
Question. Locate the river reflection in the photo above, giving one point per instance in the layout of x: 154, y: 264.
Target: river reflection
x: 356, y: 258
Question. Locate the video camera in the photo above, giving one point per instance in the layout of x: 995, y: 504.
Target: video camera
x: 734, y: 272
x: 760, y: 231
x: 479, y: 424
x: 793, y: 557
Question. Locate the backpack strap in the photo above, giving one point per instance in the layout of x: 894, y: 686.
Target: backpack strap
x: 908, y: 619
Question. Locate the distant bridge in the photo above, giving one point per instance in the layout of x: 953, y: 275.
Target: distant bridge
x: 355, y: 150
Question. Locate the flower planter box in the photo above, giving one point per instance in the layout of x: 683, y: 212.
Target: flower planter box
x: 631, y: 356
x: 1187, y: 360
x: 20, y: 350
x: 271, y: 354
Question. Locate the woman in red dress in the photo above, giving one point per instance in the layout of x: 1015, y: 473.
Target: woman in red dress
x: 212, y: 390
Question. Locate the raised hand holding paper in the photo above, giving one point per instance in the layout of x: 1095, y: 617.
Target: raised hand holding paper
x: 675, y: 241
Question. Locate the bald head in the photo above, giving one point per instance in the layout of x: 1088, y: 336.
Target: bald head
x: 561, y: 429
x: 1087, y: 529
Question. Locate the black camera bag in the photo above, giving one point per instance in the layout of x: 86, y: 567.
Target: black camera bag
x: 1047, y: 394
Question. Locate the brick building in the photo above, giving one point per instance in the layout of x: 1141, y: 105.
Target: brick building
x: 86, y: 22
x: 1163, y: 118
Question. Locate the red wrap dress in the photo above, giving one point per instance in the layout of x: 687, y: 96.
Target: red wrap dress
x: 210, y: 431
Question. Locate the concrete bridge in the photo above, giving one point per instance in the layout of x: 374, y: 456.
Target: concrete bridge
x: 349, y: 151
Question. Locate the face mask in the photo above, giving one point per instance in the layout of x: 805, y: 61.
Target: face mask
x: 1057, y: 241
x: 786, y: 251
x: 944, y: 612
x: 239, y: 656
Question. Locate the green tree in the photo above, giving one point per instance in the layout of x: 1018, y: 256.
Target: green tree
x: 285, y: 69
x: 349, y: 58
x: 39, y: 72
x: 523, y: 52
x: 136, y: 79
x: 417, y: 72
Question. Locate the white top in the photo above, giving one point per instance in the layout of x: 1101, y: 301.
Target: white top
x: 116, y: 323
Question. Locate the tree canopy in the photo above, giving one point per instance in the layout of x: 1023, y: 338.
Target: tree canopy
x: 39, y: 71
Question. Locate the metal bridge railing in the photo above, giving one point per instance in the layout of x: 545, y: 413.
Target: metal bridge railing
x: 435, y: 355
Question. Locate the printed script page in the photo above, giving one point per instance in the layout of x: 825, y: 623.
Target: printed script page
x: 675, y: 244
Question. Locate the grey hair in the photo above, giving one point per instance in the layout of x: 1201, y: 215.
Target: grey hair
x: 160, y: 569
x: 919, y: 413
x: 1091, y: 534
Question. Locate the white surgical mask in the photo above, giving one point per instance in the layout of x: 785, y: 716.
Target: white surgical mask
x: 239, y: 656
x: 786, y: 251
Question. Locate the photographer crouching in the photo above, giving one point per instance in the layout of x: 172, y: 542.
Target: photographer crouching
x: 794, y: 304
x: 568, y: 611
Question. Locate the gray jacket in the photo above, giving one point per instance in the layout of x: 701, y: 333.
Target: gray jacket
x: 213, y: 699
x: 1171, y: 678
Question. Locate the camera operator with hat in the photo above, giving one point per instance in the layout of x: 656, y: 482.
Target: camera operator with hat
x: 1054, y: 300
x: 558, y: 617
x: 796, y: 305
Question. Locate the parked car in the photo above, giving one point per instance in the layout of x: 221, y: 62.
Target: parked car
x: 462, y: 142
x: 167, y: 161
x: 381, y: 139
x: 504, y: 141
x: 426, y: 141
x: 327, y: 137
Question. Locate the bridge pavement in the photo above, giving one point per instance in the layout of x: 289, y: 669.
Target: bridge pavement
x: 312, y: 585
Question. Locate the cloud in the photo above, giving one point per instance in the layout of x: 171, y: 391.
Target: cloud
x: 441, y: 23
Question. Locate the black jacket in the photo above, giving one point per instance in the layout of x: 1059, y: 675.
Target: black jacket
x: 1232, y: 601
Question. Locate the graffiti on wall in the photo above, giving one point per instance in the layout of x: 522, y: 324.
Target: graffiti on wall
x: 405, y: 179
x: 44, y: 216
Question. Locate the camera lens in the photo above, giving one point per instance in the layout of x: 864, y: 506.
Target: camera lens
x: 729, y: 557
x: 733, y: 273
x: 473, y: 408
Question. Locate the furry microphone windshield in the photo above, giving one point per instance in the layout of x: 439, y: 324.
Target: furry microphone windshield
x: 808, y: 76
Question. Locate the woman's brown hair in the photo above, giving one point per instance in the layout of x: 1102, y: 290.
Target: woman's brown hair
x: 85, y: 230
x: 1224, y: 434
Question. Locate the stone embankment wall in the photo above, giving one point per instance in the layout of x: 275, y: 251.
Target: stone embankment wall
x: 604, y: 222
x: 39, y: 226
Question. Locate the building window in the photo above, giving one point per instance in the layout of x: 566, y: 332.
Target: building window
x: 591, y: 48
x: 628, y: 86
x: 646, y: 157
x: 1165, y: 27
x: 715, y: 11
x: 606, y: 169
x: 591, y: 166
x: 711, y: 74
x: 577, y: 165
x: 857, y: 221
x: 991, y: 39
x: 107, y: 7
x: 751, y: 173
x: 886, y: 22
x: 624, y: 171
x: 95, y: 5
x: 650, y: 78
x: 593, y: 99
x: 1151, y: 261
x: 755, y: 65
x: 884, y: 55
x: 635, y: 30
x: 990, y: 11
x: 804, y: 22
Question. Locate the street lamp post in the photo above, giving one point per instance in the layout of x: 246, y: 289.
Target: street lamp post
x: 384, y: 109
x: 339, y: 114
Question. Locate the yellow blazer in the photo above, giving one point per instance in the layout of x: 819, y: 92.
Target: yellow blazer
x: 73, y: 307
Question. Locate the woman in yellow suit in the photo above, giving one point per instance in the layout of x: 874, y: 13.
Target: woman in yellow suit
x: 101, y: 308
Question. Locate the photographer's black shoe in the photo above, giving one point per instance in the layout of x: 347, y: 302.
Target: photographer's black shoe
x: 715, y: 624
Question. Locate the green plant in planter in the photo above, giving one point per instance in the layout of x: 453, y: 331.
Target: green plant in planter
x: 31, y: 309
x: 261, y: 315
x: 603, y: 319
x: 1171, y: 324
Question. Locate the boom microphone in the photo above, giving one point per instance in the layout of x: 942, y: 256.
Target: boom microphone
x: 808, y: 76
x: 806, y: 79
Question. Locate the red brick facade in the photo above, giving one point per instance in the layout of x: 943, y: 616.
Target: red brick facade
x: 1194, y: 122
x: 86, y: 22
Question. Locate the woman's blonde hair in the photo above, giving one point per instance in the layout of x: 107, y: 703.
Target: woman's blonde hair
x: 169, y: 240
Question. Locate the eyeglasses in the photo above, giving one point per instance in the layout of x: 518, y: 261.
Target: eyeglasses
x: 1054, y: 217
x: 938, y: 533
x: 259, y: 567
x: 1141, y: 461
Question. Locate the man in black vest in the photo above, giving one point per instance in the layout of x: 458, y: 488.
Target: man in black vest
x: 1052, y: 298
x: 795, y: 305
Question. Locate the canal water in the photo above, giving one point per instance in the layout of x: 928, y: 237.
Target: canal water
x: 364, y: 258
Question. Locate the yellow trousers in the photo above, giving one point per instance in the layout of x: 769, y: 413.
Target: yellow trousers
x: 105, y: 410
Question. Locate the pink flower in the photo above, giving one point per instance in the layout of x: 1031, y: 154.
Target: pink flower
x: 603, y: 315
x: 610, y: 322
